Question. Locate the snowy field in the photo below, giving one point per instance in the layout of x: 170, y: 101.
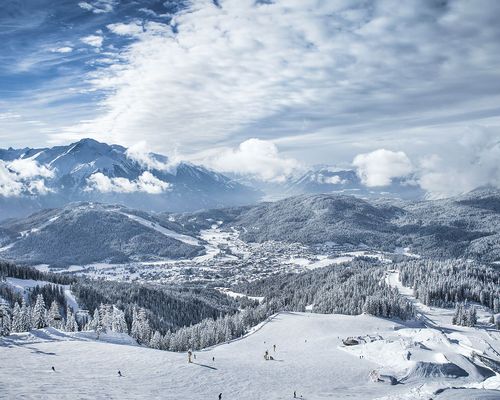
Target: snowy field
x: 309, y: 359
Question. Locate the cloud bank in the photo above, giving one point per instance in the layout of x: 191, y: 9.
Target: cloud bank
x: 23, y: 177
x: 381, y: 166
x: 255, y: 158
x: 145, y: 183
x: 461, y: 166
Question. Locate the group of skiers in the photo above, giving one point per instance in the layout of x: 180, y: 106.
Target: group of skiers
x: 267, y: 356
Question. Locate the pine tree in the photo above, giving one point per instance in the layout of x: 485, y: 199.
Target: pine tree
x: 71, y: 324
x: 156, y: 341
x: 39, y: 317
x: 5, y: 322
x: 119, y: 324
x: 54, y: 316
x: 26, y: 320
x: 17, y: 324
x: 106, y: 317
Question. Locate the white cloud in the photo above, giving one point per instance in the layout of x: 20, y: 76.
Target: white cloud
x: 23, y: 176
x: 331, y: 180
x: 381, y: 166
x: 98, y: 6
x: 93, y: 40
x: 463, y: 165
x: 140, y: 152
x: 27, y: 168
x: 9, y: 185
x: 130, y: 29
x: 259, y: 159
x: 64, y: 49
x: 145, y: 183
x: 224, y: 72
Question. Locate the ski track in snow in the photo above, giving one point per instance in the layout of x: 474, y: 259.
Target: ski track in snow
x: 164, y: 231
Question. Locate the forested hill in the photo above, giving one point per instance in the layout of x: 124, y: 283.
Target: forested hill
x: 83, y: 233
x: 464, y: 226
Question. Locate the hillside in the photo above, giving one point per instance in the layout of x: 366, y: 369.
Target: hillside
x: 85, y: 233
x: 464, y: 226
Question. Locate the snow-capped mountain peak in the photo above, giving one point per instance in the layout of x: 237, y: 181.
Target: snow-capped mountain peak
x: 89, y: 170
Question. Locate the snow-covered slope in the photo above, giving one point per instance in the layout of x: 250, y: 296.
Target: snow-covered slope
x: 83, y: 233
x: 309, y: 359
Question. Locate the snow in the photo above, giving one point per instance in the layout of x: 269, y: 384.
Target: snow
x: 310, y: 358
x: 21, y: 285
x: 164, y: 231
x: 235, y: 295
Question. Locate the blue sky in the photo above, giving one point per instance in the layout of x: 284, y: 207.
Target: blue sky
x: 281, y: 84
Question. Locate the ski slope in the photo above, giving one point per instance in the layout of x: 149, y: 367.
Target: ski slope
x: 162, y: 230
x: 310, y: 359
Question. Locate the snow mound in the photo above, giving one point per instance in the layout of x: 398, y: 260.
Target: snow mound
x: 468, y: 394
x: 435, y: 370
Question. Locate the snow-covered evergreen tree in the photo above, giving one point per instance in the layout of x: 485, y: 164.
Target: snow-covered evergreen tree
x: 71, y: 324
x: 106, y: 317
x: 39, y: 316
x: 17, y: 325
x: 156, y: 341
x: 141, y: 330
x: 5, y: 319
x: 118, y: 321
x: 54, y: 318
x: 26, y: 320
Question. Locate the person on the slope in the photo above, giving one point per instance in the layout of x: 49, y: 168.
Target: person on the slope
x: 190, y: 354
x: 53, y: 369
x: 274, y: 348
x: 220, y: 396
x: 294, y: 394
x: 119, y: 373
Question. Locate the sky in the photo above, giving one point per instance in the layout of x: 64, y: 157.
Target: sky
x: 263, y: 88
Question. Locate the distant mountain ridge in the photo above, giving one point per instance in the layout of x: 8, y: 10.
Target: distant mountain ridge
x: 92, y: 171
x: 466, y: 227
x: 326, y: 179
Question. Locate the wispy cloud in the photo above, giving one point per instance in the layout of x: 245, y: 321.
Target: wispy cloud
x: 93, y: 40
x: 299, y: 74
x: 98, y: 6
x: 219, y: 74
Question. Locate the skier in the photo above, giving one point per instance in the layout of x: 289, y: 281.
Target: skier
x: 220, y: 396
x: 213, y: 359
x: 53, y: 369
x: 266, y: 355
x: 190, y: 353
x: 274, y: 348
x: 294, y: 394
x: 119, y: 373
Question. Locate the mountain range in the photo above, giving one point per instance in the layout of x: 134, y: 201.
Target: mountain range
x: 92, y: 171
x: 80, y: 233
